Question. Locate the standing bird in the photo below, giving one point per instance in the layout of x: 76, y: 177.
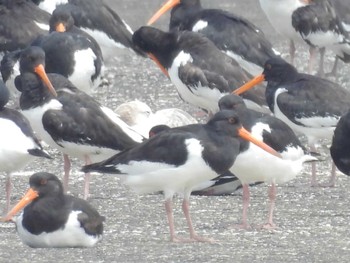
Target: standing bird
x: 340, y: 148
x: 68, y: 119
x: 233, y: 35
x: 52, y: 219
x: 201, y: 73
x: 320, y: 27
x: 98, y: 20
x: 278, y: 136
x: 279, y: 14
x: 18, y: 143
x: 308, y: 104
x: 177, y: 160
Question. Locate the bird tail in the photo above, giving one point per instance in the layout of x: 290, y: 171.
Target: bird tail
x: 39, y: 153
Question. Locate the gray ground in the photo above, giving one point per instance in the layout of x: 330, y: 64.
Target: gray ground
x: 313, y: 222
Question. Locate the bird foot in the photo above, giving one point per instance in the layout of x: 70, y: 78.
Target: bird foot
x: 268, y: 226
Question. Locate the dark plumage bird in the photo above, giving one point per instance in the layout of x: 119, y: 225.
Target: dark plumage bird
x: 201, y: 73
x: 53, y: 219
x: 177, y: 160
x: 67, y: 118
x: 278, y: 136
x: 21, y: 22
x: 340, y: 148
x: 320, y: 27
x: 224, y: 184
x: 279, y: 14
x: 18, y: 143
x: 308, y: 104
x: 232, y: 34
x: 98, y: 20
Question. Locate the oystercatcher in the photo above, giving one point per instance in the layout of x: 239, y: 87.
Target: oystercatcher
x: 53, y: 219
x: 201, y: 73
x: 279, y: 14
x: 320, y: 27
x: 232, y: 34
x: 309, y: 104
x: 18, y: 143
x: 341, y: 144
x: 67, y: 118
x: 177, y: 160
x: 21, y: 22
x: 248, y: 166
x: 224, y: 184
x: 98, y: 20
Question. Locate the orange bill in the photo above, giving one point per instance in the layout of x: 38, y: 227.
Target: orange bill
x: 167, y: 6
x: 153, y: 57
x: 60, y: 28
x: 244, y: 134
x: 250, y: 84
x: 26, y: 199
x: 40, y: 70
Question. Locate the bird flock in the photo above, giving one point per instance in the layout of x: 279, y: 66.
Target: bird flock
x: 257, y: 107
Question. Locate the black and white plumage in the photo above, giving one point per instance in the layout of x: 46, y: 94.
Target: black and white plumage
x: 72, y: 121
x: 52, y: 219
x: 224, y: 184
x: 177, y: 160
x: 250, y: 165
x: 201, y: 73
x: 320, y: 27
x: 279, y: 14
x: 21, y: 22
x: 342, y: 8
x: 340, y: 148
x: 18, y: 143
x: 232, y: 34
x: 98, y: 20
x: 309, y: 104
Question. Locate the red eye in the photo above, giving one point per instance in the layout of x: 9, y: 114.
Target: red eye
x: 43, y: 181
x: 232, y: 120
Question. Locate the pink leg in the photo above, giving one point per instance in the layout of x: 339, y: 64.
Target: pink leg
x: 8, y: 192
x: 87, y: 179
x: 67, y: 166
x: 321, y: 66
x: 246, y: 201
x: 312, y: 52
x: 193, y: 234
x: 170, y: 216
x: 292, y: 51
x: 272, y: 198
x: 333, y: 178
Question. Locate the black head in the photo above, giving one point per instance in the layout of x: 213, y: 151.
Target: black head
x: 46, y: 184
x: 226, y: 121
x: 278, y: 70
x: 30, y: 58
x: 61, y: 16
x: 182, y: 14
x: 4, y: 94
x: 231, y: 102
x: 157, y: 129
x: 150, y: 39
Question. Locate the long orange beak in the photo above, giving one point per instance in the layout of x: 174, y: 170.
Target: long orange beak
x: 244, y: 134
x: 26, y: 199
x: 250, y: 84
x: 153, y: 57
x: 60, y: 28
x: 167, y: 6
x: 40, y: 70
